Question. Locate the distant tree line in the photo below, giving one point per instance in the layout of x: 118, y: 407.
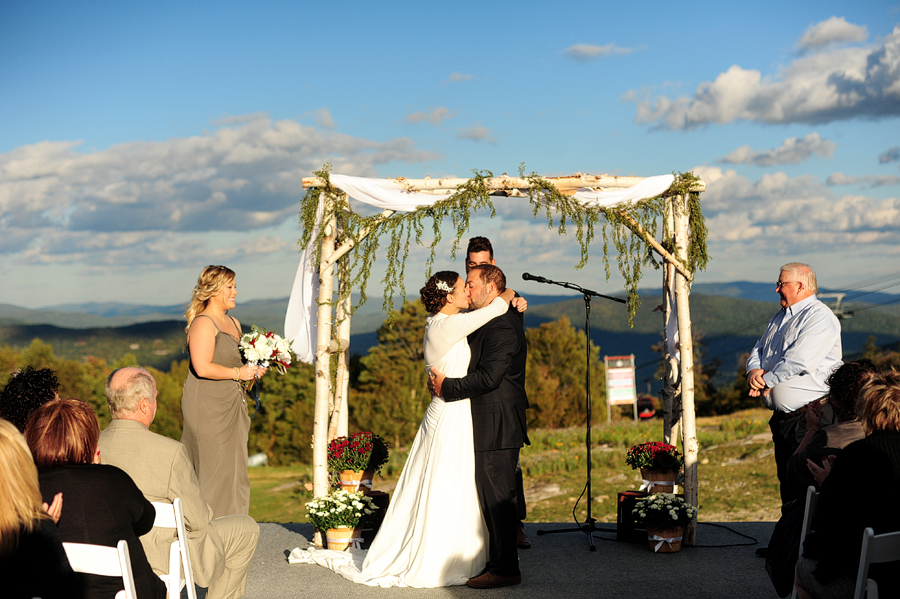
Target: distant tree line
x: 388, y: 386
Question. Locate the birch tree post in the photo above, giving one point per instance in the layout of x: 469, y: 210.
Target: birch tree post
x: 671, y: 393
x: 686, y: 351
x: 339, y: 417
x: 340, y: 409
x: 324, y: 395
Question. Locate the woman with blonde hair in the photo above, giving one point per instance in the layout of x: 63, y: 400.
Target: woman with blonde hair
x: 102, y: 504
x: 214, y: 403
x: 33, y: 562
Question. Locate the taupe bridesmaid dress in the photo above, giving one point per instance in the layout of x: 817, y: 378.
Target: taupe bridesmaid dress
x: 216, y: 428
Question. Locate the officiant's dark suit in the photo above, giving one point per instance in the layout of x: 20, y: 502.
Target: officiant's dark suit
x: 496, y: 387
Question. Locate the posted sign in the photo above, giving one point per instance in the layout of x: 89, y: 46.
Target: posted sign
x: 620, y: 386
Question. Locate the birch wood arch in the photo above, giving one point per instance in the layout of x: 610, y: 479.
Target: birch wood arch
x: 340, y: 243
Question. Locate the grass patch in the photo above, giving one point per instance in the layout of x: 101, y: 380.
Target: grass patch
x: 279, y: 494
x: 736, y: 470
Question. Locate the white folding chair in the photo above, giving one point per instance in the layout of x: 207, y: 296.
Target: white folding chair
x: 812, y: 500
x: 872, y: 590
x: 876, y: 549
x: 104, y: 561
x: 171, y: 515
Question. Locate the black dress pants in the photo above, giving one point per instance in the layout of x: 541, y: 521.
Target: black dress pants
x: 788, y: 431
x: 495, y: 479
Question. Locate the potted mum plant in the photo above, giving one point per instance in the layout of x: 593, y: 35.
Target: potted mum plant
x: 664, y: 516
x: 356, y: 459
x: 342, y: 515
x: 659, y: 463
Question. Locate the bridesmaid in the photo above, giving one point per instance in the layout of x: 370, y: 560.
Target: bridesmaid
x: 214, y: 403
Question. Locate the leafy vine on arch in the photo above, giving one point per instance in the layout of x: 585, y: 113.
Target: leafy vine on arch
x: 561, y: 211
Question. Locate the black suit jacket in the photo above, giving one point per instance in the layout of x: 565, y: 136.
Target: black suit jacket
x: 495, y: 384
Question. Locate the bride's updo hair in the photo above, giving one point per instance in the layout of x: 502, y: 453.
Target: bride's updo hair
x: 211, y: 280
x: 439, y: 286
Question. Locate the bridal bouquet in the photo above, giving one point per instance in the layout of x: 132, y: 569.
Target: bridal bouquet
x: 265, y: 348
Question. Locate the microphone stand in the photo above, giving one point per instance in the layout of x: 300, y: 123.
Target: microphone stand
x: 589, y: 526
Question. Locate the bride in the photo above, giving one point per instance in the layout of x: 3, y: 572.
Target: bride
x: 433, y: 534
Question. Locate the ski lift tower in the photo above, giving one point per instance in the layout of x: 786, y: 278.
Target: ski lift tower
x: 837, y: 309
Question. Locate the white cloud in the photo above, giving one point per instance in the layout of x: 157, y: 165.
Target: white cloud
x: 835, y: 30
x: 435, y: 117
x: 588, y: 52
x: 839, y: 179
x: 826, y: 86
x: 476, y: 133
x: 458, y: 77
x: 146, y: 202
x: 778, y: 214
x: 145, y: 249
x: 791, y: 151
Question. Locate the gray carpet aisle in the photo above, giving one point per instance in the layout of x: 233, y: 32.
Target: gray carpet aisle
x: 557, y: 565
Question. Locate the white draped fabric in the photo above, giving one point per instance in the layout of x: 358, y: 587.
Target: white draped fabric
x: 300, y: 320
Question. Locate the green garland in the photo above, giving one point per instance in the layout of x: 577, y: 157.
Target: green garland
x: 403, y: 228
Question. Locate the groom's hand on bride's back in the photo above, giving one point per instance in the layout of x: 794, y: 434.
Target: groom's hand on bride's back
x: 435, y: 381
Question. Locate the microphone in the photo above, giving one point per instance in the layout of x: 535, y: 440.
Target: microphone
x: 530, y: 277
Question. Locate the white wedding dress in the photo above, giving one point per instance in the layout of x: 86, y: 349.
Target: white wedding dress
x: 433, y: 534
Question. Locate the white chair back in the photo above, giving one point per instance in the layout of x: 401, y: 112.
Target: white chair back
x: 812, y: 500
x: 171, y: 515
x: 872, y: 592
x: 104, y: 561
x: 876, y: 549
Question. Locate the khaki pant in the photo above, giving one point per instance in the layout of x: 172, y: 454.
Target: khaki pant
x: 239, y: 535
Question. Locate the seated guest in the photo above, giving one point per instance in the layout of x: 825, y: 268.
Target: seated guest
x: 861, y: 491
x: 102, y: 504
x: 844, y: 385
x: 26, y: 391
x: 222, y: 548
x: 33, y: 562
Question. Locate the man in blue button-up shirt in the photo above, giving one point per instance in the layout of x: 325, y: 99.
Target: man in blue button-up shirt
x: 789, y: 365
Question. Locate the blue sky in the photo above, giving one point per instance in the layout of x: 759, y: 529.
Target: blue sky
x: 142, y: 141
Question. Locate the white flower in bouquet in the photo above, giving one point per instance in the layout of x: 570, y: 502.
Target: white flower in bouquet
x: 266, y: 349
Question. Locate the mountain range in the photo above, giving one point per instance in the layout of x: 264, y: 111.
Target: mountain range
x: 270, y: 312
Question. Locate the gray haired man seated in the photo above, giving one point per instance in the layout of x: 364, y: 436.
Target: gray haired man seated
x: 221, y: 549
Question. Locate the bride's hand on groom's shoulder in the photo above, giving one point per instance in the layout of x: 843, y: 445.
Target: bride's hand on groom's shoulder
x: 519, y: 303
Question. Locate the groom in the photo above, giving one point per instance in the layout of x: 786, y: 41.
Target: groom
x: 496, y: 386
